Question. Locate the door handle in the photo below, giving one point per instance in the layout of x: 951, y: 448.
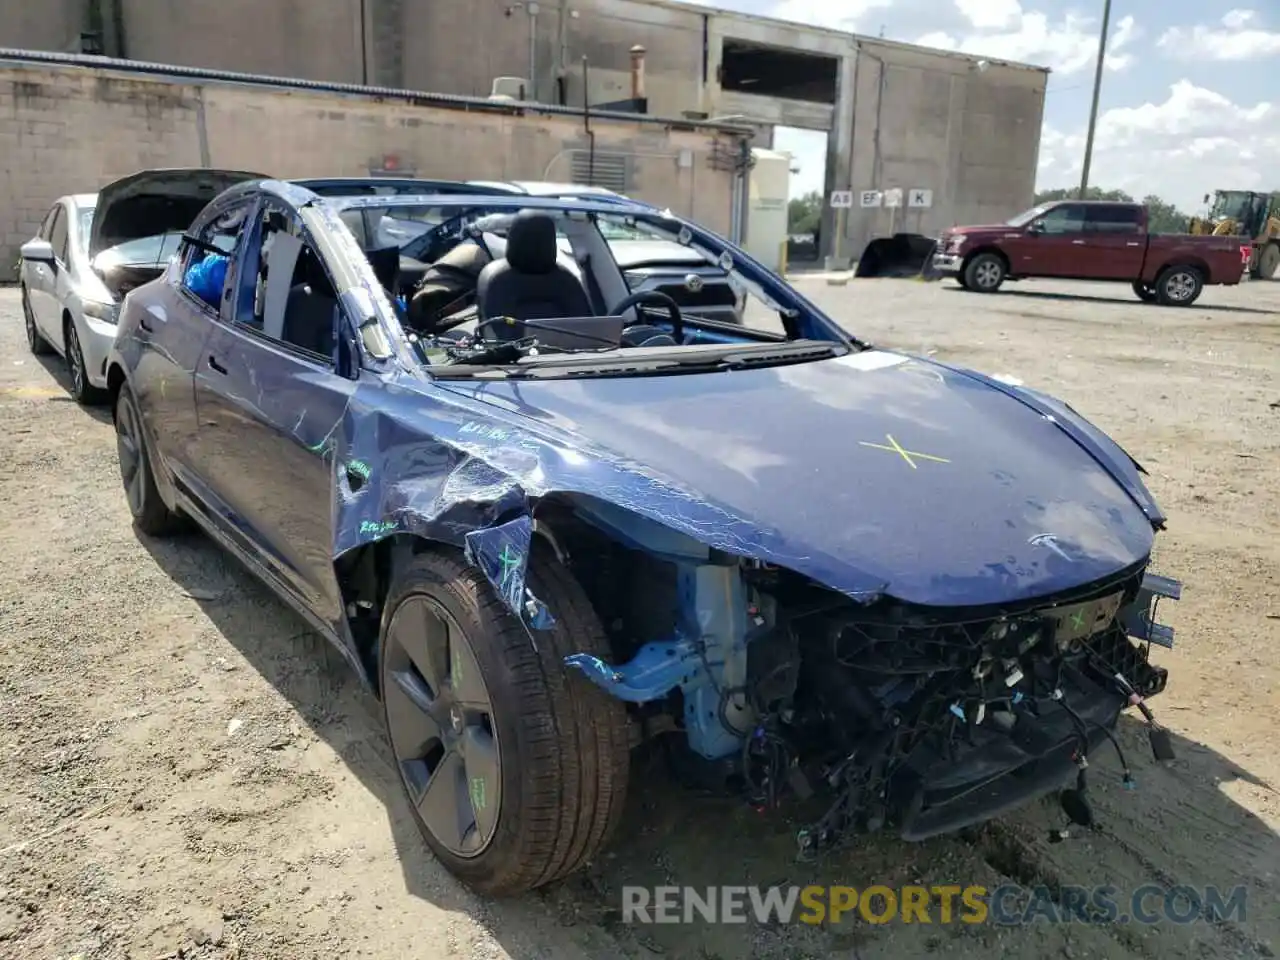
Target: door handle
x: 144, y: 322
x: 216, y: 367
x: 1133, y: 244
x: 1078, y: 243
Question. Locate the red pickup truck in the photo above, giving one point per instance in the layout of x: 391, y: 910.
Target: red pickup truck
x: 1090, y: 240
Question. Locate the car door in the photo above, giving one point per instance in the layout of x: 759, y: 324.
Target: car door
x: 172, y: 331
x: 1054, y: 244
x: 42, y: 281
x: 1115, y: 241
x: 270, y: 402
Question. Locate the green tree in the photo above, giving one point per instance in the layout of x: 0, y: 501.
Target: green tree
x: 804, y: 213
x: 1162, y: 217
x: 1092, y: 193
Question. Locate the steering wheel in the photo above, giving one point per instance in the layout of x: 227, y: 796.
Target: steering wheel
x: 654, y: 296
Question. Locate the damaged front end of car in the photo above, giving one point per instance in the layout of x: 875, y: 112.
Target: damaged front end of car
x: 925, y: 720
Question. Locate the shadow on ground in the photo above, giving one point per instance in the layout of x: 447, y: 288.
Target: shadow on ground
x: 1081, y: 298
x: 56, y: 367
x: 1181, y: 827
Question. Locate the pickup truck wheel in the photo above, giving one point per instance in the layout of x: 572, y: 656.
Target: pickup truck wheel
x: 1179, y: 286
x: 984, y: 273
x: 515, y: 766
x: 1146, y: 293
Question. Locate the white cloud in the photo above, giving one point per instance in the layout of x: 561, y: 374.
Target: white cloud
x: 1196, y: 141
x: 833, y: 16
x: 1234, y: 39
x: 1235, y: 19
x: 991, y: 14
x: 1004, y: 31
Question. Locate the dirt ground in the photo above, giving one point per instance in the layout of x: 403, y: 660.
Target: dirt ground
x: 185, y: 770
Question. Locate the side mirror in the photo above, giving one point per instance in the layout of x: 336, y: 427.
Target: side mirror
x: 38, y: 251
x: 1037, y: 226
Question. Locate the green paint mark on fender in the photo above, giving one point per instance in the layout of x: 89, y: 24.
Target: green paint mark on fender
x: 377, y: 528
x: 510, y: 559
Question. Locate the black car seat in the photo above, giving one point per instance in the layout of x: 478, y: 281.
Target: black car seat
x: 309, y: 308
x: 386, y: 267
x: 530, y: 283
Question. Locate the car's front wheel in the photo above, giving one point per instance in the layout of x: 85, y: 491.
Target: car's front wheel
x: 35, y: 342
x: 150, y: 514
x: 985, y: 273
x: 84, y: 392
x: 515, y: 767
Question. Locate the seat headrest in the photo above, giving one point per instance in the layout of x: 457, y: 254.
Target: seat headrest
x: 531, y: 243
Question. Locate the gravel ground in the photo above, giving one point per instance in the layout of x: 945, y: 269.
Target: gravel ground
x: 185, y: 770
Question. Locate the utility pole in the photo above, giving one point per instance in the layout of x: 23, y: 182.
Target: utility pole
x: 1097, y: 92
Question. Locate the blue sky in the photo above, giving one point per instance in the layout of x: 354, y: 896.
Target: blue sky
x: 1190, y: 98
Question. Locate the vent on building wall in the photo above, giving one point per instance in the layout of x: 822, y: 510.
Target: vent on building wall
x: 609, y: 170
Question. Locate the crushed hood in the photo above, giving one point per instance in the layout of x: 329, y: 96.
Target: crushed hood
x: 152, y: 202
x: 868, y: 471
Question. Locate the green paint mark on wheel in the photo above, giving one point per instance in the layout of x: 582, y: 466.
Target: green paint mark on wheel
x: 478, y: 799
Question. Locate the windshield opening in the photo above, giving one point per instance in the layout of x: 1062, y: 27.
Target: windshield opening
x: 559, y: 292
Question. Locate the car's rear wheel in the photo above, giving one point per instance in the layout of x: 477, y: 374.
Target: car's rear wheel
x: 37, y: 343
x: 515, y: 767
x: 985, y: 273
x: 82, y: 390
x: 1145, y: 291
x: 150, y: 514
x: 1179, y: 286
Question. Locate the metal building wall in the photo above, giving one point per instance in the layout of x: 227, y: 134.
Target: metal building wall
x: 904, y: 117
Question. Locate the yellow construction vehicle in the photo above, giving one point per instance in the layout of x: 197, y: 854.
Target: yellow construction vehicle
x: 1245, y: 213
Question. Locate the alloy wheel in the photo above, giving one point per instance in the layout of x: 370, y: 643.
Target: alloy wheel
x: 1180, y: 286
x: 29, y: 321
x: 129, y: 452
x: 75, y: 360
x: 987, y: 274
x: 440, y: 723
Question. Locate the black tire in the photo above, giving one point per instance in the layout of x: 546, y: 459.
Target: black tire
x: 84, y: 393
x: 558, y: 745
x: 961, y: 280
x: 1146, y: 293
x: 1179, y: 286
x: 150, y: 514
x: 985, y: 273
x: 1268, y: 261
x: 35, y: 341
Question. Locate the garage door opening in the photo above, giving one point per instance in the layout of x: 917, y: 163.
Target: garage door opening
x: 808, y: 149
x: 777, y: 72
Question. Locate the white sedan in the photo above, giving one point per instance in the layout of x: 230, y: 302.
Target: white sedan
x: 92, y: 249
